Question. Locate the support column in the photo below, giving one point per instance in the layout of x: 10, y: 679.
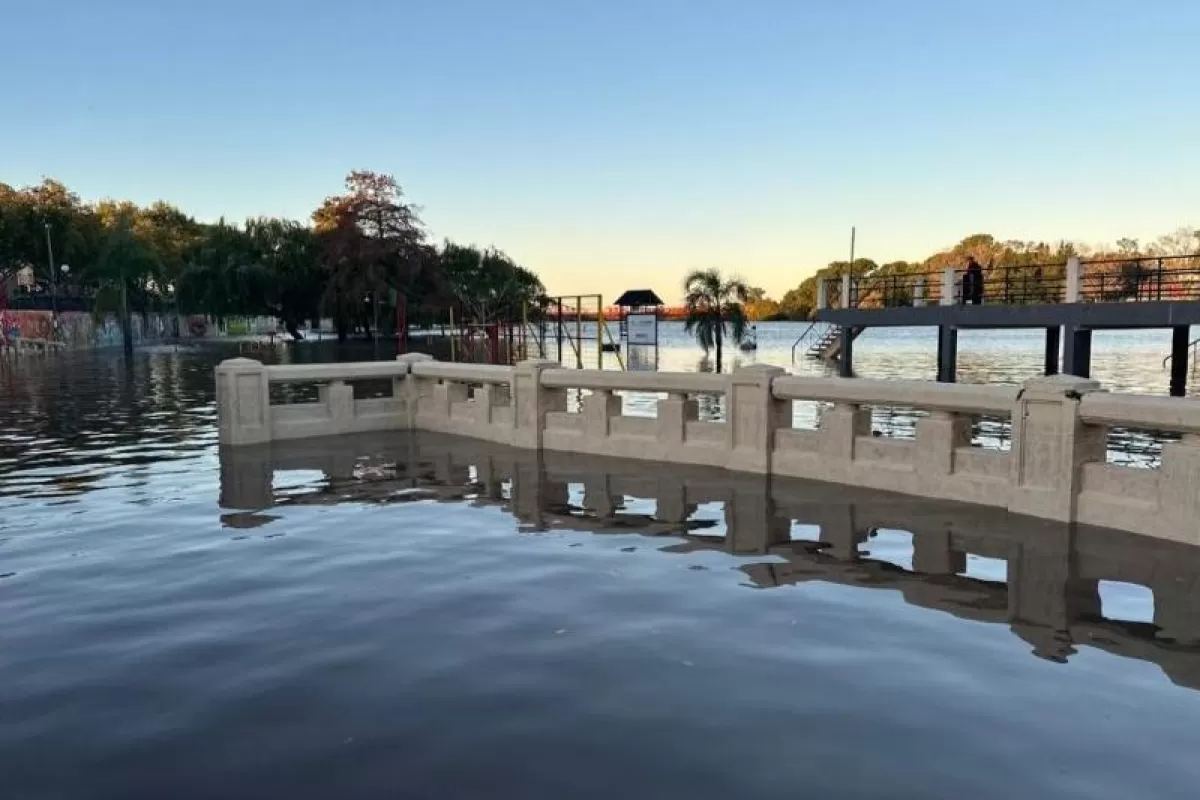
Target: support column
x: 947, y: 353
x: 846, y: 355
x: 1179, y: 360
x: 1053, y: 342
x: 1077, y: 353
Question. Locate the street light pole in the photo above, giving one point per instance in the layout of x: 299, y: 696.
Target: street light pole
x: 53, y: 272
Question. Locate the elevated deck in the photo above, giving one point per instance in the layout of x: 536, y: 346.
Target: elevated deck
x: 1068, y: 301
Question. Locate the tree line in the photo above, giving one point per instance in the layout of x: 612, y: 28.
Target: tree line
x: 1123, y: 272
x: 362, y: 256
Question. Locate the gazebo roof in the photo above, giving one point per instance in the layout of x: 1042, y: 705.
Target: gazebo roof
x: 638, y: 298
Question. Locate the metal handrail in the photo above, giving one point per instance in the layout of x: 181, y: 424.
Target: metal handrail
x: 803, y: 336
x: 1192, y: 345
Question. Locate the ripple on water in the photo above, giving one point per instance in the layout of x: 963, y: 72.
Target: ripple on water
x: 471, y: 622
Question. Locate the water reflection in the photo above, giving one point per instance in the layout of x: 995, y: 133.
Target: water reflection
x: 1041, y: 579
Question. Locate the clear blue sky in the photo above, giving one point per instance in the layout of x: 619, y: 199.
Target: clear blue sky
x: 610, y: 145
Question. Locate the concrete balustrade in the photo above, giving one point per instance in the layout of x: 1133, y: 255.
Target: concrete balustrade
x: 1056, y: 467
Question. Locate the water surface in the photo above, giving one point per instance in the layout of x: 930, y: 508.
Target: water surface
x: 421, y: 616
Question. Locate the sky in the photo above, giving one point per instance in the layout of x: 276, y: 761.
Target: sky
x: 619, y: 144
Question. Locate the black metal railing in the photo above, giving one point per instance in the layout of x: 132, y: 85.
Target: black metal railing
x: 1026, y: 284
x: 1102, y: 280
x: 1133, y: 280
x: 892, y: 291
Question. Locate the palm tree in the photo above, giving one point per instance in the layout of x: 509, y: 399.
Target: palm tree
x: 714, y: 309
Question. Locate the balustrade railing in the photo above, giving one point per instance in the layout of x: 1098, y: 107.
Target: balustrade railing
x: 1056, y: 466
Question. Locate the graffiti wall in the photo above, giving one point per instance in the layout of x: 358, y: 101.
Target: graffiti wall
x: 79, y: 330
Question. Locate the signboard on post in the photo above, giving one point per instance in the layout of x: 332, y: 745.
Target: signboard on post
x: 642, y: 329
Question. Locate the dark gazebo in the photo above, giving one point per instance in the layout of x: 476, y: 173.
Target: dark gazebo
x: 638, y: 301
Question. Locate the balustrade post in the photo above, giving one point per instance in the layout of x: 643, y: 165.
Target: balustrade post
x: 487, y: 397
x: 752, y: 417
x: 338, y: 399
x: 938, y: 437
x: 532, y: 401
x: 408, y: 388
x: 446, y: 394
x: 243, y: 402
x: 598, y: 410
x: 1179, y: 487
x: 674, y: 414
x: 822, y: 294
x: 1050, y: 446
x: 838, y: 429
x: 846, y: 290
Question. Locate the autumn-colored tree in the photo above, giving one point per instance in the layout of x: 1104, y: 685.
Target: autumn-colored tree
x: 373, y: 241
x: 758, y: 306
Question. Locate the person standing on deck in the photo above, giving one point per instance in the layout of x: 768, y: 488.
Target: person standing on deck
x: 972, y: 284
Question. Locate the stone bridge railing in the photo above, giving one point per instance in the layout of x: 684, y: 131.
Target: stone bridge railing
x: 1056, y: 468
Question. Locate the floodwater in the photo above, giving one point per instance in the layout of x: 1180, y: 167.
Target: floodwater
x: 422, y: 616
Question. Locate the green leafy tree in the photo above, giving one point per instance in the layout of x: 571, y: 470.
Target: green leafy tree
x: 487, y: 284
x: 715, y: 309
x: 120, y: 270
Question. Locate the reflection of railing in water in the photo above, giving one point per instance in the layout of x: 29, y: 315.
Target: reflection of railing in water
x: 1050, y: 599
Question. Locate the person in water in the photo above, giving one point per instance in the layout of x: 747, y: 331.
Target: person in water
x: 972, y: 283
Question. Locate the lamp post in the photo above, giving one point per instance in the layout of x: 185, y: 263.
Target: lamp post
x: 53, y: 272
